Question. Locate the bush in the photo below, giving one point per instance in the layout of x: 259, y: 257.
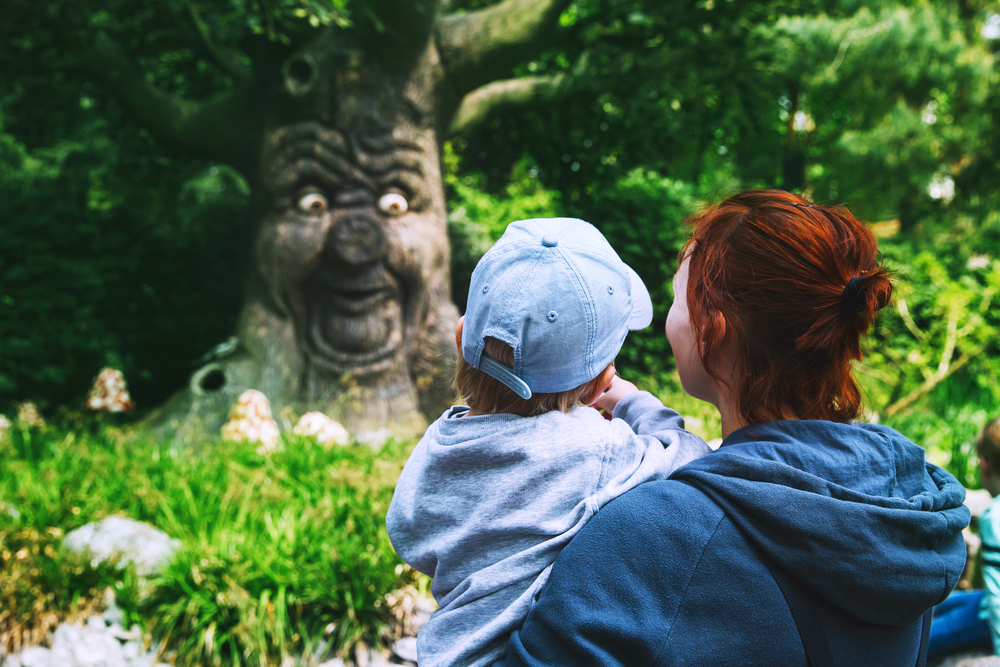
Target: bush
x: 97, y: 267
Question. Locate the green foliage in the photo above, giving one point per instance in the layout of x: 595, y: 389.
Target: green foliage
x: 932, y: 367
x: 642, y: 216
x: 278, y: 553
x: 476, y: 219
x: 113, y: 254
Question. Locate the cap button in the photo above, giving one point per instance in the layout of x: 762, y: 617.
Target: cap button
x: 550, y: 241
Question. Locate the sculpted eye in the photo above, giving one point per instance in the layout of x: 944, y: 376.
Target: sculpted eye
x: 393, y: 203
x: 313, y: 203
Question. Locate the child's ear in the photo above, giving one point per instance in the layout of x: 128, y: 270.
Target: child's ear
x: 603, y: 382
x: 985, y: 471
x: 458, y: 333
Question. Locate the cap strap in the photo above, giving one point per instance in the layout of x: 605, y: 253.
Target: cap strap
x: 505, y: 374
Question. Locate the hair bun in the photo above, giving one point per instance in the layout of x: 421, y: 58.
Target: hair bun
x: 852, y: 297
x: 867, y: 293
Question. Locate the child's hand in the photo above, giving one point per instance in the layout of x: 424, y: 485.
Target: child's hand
x: 617, y: 390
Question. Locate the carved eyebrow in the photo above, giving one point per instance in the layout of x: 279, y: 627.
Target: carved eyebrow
x: 386, y: 143
x: 316, y: 161
x: 308, y: 151
x: 380, y: 165
x: 293, y: 174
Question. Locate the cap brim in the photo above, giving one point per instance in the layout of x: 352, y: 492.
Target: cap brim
x: 642, y: 305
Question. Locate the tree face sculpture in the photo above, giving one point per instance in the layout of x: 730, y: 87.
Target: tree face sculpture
x: 348, y: 308
x: 348, y: 245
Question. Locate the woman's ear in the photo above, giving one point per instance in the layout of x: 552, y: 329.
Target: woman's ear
x: 725, y: 349
x: 458, y: 333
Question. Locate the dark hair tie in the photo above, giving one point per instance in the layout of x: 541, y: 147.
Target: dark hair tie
x: 851, y: 296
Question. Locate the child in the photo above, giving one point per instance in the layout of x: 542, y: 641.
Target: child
x: 970, y: 620
x: 495, y: 490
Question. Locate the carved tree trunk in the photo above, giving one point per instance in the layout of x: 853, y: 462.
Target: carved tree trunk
x: 347, y: 307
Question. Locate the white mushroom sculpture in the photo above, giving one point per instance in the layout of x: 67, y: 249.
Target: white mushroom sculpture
x: 109, y: 393
x: 250, y: 421
x: 28, y: 416
x: 326, y: 431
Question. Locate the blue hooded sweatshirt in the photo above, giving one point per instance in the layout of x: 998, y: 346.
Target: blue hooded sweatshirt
x: 671, y: 573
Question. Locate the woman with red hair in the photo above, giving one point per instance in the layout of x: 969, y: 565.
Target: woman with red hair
x: 807, y: 538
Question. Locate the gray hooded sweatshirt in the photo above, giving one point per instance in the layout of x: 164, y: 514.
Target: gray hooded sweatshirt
x: 486, y: 503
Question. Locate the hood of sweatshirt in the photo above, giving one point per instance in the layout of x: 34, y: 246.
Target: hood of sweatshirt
x: 851, y: 511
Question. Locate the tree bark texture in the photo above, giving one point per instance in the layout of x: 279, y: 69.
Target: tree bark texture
x: 347, y: 309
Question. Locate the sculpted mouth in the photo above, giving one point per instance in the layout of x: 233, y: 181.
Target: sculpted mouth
x: 354, y: 320
x: 358, y: 301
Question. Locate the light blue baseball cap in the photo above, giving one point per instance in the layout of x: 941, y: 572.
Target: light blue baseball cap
x: 555, y: 291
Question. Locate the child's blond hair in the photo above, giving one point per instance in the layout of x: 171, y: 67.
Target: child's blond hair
x: 487, y: 395
x: 988, y: 444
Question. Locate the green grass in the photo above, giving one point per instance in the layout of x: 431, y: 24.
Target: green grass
x: 279, y: 553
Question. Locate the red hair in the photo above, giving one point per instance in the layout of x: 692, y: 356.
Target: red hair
x: 774, y: 269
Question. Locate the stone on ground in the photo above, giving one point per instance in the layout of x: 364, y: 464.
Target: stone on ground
x: 125, y: 540
x: 98, y: 643
x: 406, y: 649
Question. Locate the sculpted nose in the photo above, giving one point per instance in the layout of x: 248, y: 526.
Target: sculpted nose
x: 356, y: 239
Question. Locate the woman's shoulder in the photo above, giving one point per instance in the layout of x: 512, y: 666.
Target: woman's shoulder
x: 668, y: 516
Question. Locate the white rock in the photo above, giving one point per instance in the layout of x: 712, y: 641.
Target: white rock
x: 98, y: 649
x: 67, y: 634
x: 113, y: 615
x: 36, y: 656
x: 123, y: 635
x: 132, y: 650
x: 336, y: 662
x: 406, y: 649
x: 375, y: 438
x: 127, y: 540
x: 147, y: 660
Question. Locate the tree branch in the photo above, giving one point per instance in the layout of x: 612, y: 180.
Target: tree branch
x: 480, y: 46
x: 499, y: 96
x: 228, y: 64
x: 494, y: 97
x: 934, y: 380
x: 217, y: 128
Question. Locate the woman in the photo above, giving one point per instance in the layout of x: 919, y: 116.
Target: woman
x: 806, y: 539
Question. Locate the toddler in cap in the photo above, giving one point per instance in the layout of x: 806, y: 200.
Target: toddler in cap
x: 495, y: 490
